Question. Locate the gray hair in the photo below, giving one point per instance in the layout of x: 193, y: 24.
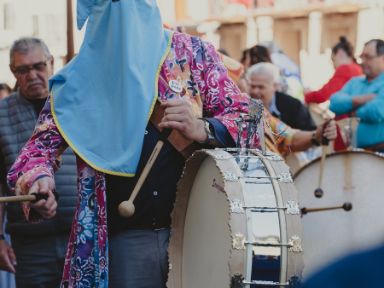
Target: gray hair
x: 264, y: 68
x: 379, y: 46
x: 26, y: 44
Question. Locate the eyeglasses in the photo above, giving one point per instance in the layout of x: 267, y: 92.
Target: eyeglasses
x: 368, y: 57
x: 25, y: 69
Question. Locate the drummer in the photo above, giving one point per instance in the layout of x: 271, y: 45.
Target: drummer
x: 114, y: 142
x: 280, y: 137
x: 363, y: 97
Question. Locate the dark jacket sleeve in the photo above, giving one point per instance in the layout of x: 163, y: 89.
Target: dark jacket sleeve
x: 294, y: 113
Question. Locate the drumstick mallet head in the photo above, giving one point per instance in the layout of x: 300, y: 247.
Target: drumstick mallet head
x: 126, y: 208
x: 319, y: 193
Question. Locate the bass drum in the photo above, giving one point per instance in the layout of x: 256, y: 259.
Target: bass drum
x: 236, y: 223
x: 349, y: 176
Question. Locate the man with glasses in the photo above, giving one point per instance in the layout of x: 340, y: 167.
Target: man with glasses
x: 363, y: 97
x: 38, y: 249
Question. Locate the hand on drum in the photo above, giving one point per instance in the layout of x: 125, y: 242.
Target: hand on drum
x: 178, y: 114
x: 327, y: 130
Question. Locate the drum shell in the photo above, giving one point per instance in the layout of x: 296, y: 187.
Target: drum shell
x: 228, y: 180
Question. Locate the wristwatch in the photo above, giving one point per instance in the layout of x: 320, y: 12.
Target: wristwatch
x: 210, y: 134
x: 314, y: 140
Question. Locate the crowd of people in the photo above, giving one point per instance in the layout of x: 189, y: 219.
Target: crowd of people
x: 91, y: 118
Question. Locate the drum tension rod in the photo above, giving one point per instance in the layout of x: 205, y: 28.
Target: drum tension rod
x: 266, y: 283
x: 347, y: 206
x: 265, y: 209
x: 268, y: 244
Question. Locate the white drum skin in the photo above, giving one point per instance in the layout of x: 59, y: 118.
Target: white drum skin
x: 350, y: 176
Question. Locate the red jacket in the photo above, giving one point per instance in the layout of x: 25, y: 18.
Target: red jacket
x: 342, y: 75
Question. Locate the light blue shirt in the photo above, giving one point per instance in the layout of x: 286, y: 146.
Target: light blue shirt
x: 371, y: 128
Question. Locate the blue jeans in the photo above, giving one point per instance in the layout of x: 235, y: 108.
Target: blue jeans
x: 138, y: 259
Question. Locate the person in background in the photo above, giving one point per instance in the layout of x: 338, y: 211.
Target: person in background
x: 363, y: 97
x: 282, y: 137
x: 263, y: 81
x: 5, y: 90
x: 38, y: 249
x: 254, y: 55
x: 344, y: 61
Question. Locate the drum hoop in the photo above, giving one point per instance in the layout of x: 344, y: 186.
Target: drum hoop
x: 353, y: 151
x: 282, y: 219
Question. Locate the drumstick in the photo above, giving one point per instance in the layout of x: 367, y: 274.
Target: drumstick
x: 347, y: 206
x: 127, y: 208
x: 33, y: 197
x: 324, y: 142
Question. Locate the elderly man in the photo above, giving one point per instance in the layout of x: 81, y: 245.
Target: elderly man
x: 286, y: 117
x: 364, y: 98
x: 39, y: 248
x: 264, y: 80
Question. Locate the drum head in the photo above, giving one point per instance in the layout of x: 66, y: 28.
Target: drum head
x: 206, y: 233
x: 205, y: 239
x: 351, y: 176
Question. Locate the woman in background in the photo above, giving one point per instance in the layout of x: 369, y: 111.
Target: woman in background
x: 346, y: 67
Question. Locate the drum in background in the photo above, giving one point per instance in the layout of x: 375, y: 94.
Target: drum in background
x: 297, y: 160
x: 236, y: 223
x: 320, y: 112
x: 351, y: 176
x: 348, y: 128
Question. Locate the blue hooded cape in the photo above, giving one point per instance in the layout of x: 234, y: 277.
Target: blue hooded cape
x: 102, y: 100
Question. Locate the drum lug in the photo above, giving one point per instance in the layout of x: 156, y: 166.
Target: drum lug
x: 295, y: 282
x: 237, y: 206
x: 293, y: 208
x: 237, y: 281
x: 231, y: 177
x: 285, y: 178
x: 295, y: 244
x: 238, y: 242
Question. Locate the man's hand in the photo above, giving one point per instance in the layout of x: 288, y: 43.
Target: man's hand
x: 46, y: 208
x: 361, y: 100
x: 7, y: 257
x: 178, y: 114
x: 328, y: 131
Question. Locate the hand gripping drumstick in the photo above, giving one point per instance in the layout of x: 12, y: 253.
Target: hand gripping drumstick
x: 33, y: 197
x: 126, y: 208
x: 324, y: 142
